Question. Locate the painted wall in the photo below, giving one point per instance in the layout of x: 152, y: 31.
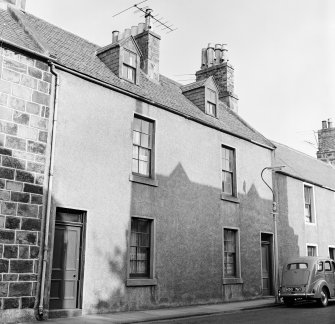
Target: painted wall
x: 294, y: 232
x: 92, y: 169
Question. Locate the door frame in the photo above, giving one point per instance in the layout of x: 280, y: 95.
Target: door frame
x: 271, y: 236
x: 81, y: 271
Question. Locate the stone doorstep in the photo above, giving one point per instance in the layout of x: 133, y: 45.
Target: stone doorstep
x: 61, y: 313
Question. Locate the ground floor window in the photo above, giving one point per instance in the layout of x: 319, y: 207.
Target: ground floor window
x: 230, y: 253
x: 140, y: 248
x: 311, y: 250
x: 332, y: 252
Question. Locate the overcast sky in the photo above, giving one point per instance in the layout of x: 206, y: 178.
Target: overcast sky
x: 283, y: 52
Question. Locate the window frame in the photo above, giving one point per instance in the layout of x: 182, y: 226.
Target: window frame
x: 225, y: 196
x: 137, y: 177
x: 312, y: 204
x: 149, y: 280
x: 128, y: 66
x: 237, y: 279
x: 210, y: 102
x: 312, y: 245
x: 331, y: 247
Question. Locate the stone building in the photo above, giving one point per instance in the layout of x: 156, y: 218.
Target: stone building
x: 120, y: 188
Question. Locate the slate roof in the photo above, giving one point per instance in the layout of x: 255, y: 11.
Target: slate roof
x: 193, y: 85
x: 303, y: 166
x: 78, y: 54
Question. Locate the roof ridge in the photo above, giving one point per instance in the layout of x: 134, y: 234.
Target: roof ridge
x: 60, y: 28
x: 306, y: 155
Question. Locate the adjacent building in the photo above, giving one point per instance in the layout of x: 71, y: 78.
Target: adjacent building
x: 306, y: 204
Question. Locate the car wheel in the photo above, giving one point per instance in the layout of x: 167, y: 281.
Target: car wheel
x: 289, y: 302
x: 323, y: 301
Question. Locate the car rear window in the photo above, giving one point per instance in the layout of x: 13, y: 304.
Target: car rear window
x: 295, y: 266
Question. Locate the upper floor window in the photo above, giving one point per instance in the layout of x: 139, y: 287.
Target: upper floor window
x: 308, y: 200
x: 211, y: 102
x: 140, y: 248
x: 142, y: 146
x: 228, y: 171
x: 129, y: 66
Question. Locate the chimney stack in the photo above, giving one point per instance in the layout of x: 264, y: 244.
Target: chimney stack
x: 214, y: 63
x: 326, y: 140
x: 20, y: 4
x: 148, y: 42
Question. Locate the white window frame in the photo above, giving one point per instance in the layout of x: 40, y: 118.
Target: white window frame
x: 313, y: 209
x: 312, y: 245
x: 238, y: 278
x: 331, y: 247
x: 151, y: 281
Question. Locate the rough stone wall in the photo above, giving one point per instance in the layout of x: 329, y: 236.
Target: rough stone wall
x: 223, y: 75
x: 326, y: 139
x: 25, y: 87
x: 148, y: 43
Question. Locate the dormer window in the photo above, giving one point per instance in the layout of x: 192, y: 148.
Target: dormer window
x: 211, y: 103
x: 129, y: 66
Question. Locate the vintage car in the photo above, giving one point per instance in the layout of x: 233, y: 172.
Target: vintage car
x: 308, y: 278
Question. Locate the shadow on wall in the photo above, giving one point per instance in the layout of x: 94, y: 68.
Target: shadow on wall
x: 189, y: 219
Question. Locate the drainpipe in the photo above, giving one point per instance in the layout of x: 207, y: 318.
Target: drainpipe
x: 50, y: 182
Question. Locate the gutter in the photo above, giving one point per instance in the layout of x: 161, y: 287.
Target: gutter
x: 154, y: 103
x: 49, y: 197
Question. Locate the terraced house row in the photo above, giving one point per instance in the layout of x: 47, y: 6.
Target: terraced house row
x: 123, y: 190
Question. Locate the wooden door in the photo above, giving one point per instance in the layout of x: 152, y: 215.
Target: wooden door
x: 65, y: 267
x: 266, y: 268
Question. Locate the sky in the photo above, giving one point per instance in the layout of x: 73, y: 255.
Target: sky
x: 283, y: 52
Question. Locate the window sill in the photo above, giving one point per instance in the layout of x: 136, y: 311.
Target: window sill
x: 141, y: 282
x: 143, y: 180
x: 310, y: 223
x: 230, y: 198
x: 232, y: 281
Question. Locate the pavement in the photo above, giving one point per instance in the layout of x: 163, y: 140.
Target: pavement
x: 166, y: 313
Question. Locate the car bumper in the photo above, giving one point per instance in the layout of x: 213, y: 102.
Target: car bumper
x: 295, y: 294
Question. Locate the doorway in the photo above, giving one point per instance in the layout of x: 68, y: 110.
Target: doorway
x: 67, y: 263
x: 266, y: 260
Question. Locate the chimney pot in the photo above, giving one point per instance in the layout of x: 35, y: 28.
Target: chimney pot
x: 134, y: 31
x: 218, y: 53
x: 210, y: 55
x: 141, y: 27
x: 224, y: 53
x: 115, y: 36
x: 330, y: 123
x: 127, y: 32
x: 324, y: 124
x: 203, y: 58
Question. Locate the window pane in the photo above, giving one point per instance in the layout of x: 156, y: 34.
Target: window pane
x: 135, y: 166
x: 135, y: 152
x: 145, y: 127
x: 132, y: 59
x: 136, y: 138
x: 227, y: 186
x: 137, y: 124
x: 145, y: 140
x: 144, y: 154
x: 143, y: 168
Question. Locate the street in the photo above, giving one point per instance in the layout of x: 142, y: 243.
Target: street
x: 307, y: 313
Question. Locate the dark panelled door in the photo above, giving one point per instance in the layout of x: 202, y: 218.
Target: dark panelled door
x: 266, y: 269
x: 65, y: 267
